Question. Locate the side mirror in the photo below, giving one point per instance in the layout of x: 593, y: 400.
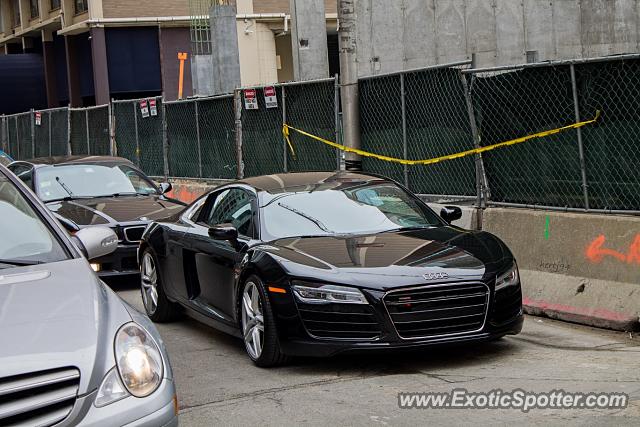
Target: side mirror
x: 165, y: 187
x: 97, y: 242
x: 224, y: 232
x: 451, y: 213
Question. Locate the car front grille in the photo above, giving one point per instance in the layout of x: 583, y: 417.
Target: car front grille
x: 40, y: 398
x: 437, y: 310
x: 340, y: 321
x: 134, y: 234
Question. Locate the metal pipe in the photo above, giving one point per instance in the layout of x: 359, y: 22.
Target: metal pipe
x: 33, y: 133
x: 554, y: 63
x: 284, y: 120
x: 198, y: 139
x: 238, y: 114
x: 417, y: 70
x: 405, y: 150
x: 50, y: 144
x: 565, y: 209
x: 583, y: 165
x: 86, y: 125
x: 135, y: 130
x: 336, y: 118
x: 165, y: 141
x: 349, y: 81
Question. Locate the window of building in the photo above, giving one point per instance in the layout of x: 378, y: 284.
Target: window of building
x: 35, y: 8
x: 55, y: 4
x: 15, y: 5
x: 81, y: 6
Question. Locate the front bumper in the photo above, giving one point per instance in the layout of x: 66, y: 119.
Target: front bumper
x: 322, y: 348
x: 155, y: 410
x: 122, y: 262
x: 503, y: 316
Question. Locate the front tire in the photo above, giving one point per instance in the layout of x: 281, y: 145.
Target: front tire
x: 258, y: 325
x: 156, y: 304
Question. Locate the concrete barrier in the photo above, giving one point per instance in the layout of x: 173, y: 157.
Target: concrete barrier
x: 577, y: 267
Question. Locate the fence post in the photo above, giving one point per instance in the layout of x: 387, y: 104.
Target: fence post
x: 3, y: 131
x: 583, y: 165
x: 238, y: 112
x: 481, y: 182
x: 50, y: 139
x: 111, y: 115
x: 284, y: 120
x: 404, y: 131
x: 33, y: 132
x: 198, y: 139
x: 336, y: 113
x: 69, y: 129
x: 165, y: 142
x: 86, y: 125
x: 135, y: 129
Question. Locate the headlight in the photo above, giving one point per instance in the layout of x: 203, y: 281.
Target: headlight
x: 138, y: 360
x: 328, y: 294
x: 509, y: 278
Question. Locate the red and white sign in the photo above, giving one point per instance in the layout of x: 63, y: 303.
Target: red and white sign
x: 144, y: 108
x: 250, y: 100
x: 270, y: 97
x: 38, y: 118
x: 153, y: 108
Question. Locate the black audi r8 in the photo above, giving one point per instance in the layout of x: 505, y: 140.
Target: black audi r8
x: 320, y: 263
x: 86, y: 191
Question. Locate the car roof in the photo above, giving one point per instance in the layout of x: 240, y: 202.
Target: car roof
x: 84, y: 159
x: 301, y: 181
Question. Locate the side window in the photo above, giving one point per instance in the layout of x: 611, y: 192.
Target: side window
x: 232, y: 206
x: 24, y: 172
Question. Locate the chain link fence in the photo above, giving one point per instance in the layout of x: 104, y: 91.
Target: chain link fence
x: 415, y: 114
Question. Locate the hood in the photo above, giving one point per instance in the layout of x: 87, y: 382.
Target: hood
x: 394, y: 259
x: 58, y: 315
x: 112, y: 210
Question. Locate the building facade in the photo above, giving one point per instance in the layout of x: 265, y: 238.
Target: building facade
x: 91, y: 51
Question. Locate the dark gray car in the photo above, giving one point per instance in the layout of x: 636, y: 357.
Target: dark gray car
x: 71, y: 351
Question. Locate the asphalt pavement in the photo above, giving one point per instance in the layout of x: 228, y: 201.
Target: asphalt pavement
x: 218, y: 385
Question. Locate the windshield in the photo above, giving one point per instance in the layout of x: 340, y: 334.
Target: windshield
x: 361, y: 210
x: 24, y: 238
x: 76, y: 181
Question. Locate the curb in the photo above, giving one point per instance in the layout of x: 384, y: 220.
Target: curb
x: 598, y: 317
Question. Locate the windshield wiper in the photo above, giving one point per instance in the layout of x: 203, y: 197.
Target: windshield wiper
x: 121, y: 194
x: 317, y: 222
x: 64, y: 186
x: 19, y: 262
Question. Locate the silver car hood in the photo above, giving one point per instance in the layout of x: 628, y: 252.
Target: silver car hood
x: 58, y: 315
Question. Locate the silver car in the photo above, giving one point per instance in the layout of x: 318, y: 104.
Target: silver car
x: 71, y: 351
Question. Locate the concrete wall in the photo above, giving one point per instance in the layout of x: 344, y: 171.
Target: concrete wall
x: 577, y: 267
x: 224, y: 49
x: 309, y: 40
x: 407, y: 34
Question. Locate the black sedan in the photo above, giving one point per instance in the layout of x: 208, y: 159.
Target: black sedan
x: 85, y: 191
x: 320, y: 263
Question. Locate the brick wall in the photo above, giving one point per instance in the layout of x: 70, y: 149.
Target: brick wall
x: 282, y: 6
x: 142, y: 8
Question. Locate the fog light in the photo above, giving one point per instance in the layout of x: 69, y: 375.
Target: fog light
x: 96, y: 267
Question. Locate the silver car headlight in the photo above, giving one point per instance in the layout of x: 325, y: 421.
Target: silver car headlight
x: 323, y: 294
x: 509, y: 278
x: 138, y: 360
x: 139, y: 368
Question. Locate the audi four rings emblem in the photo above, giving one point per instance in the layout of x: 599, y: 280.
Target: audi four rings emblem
x: 435, y: 276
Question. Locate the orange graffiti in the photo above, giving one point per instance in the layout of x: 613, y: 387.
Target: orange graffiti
x: 184, y: 194
x: 596, y: 253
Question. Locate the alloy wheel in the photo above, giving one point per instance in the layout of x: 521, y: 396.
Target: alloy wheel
x: 252, y: 320
x: 149, y: 278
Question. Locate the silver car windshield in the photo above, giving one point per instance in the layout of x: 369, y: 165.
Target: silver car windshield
x: 24, y: 238
x: 69, y: 181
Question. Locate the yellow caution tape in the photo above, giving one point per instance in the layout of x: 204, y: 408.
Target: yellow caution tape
x: 286, y: 128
